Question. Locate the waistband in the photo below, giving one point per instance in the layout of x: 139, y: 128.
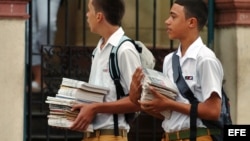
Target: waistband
x: 185, y: 134
x: 100, y: 132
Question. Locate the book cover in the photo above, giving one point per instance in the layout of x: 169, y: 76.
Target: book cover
x: 161, y: 83
x: 60, y: 101
x: 84, y: 85
x: 158, y: 79
x: 63, y: 122
x: 80, y: 94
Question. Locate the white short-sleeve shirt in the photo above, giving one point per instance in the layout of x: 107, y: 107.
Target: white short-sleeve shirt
x: 128, y: 61
x: 203, y: 73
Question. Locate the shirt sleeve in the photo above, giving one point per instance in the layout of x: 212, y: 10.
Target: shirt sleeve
x: 211, y: 76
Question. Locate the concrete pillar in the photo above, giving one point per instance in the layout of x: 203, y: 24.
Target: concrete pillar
x: 12, y: 67
x: 232, y: 45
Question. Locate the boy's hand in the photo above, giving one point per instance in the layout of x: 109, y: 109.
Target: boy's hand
x: 136, y: 86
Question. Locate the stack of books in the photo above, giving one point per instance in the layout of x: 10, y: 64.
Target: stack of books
x: 82, y: 91
x: 160, y: 83
x: 72, y: 92
x: 60, y: 114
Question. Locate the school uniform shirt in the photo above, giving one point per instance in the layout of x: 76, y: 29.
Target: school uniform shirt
x: 203, y: 73
x: 128, y: 61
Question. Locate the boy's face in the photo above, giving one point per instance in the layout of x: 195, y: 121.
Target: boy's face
x: 177, y: 24
x: 91, y: 16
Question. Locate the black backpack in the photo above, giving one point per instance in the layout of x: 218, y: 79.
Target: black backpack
x: 225, y: 116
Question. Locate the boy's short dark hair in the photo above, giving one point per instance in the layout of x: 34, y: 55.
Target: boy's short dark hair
x: 197, y: 9
x: 113, y: 10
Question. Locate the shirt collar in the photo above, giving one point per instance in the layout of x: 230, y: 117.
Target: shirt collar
x: 115, y: 37
x: 193, y: 49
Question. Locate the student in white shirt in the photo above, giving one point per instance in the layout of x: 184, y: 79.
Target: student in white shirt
x: 104, y: 18
x: 198, y: 62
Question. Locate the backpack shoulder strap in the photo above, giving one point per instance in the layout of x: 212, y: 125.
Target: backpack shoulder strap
x: 179, y: 80
x: 187, y: 93
x: 113, y: 59
x: 115, y: 75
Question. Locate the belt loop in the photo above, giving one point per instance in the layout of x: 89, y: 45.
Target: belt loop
x: 86, y: 134
x: 122, y: 133
x: 208, y: 132
x: 97, y: 133
x: 166, y: 137
x: 178, y: 135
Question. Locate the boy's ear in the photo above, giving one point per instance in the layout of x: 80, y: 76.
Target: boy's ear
x: 193, y: 22
x: 99, y: 16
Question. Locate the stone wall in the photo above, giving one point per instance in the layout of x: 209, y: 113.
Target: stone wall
x: 12, y: 68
